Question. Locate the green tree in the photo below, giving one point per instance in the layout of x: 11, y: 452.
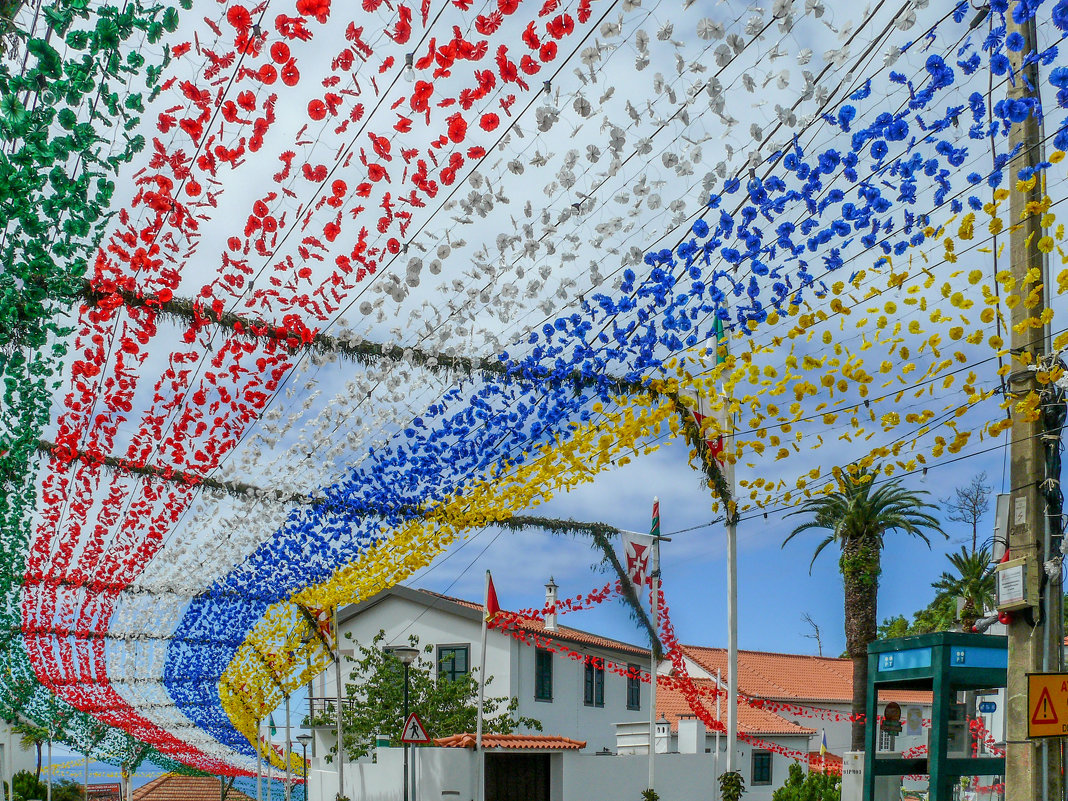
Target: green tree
x: 31, y: 736
x: 811, y: 786
x: 858, y: 514
x: 376, y: 685
x: 26, y: 785
x: 973, y: 581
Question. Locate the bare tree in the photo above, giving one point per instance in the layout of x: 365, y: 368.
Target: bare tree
x: 815, y: 635
x: 969, y: 504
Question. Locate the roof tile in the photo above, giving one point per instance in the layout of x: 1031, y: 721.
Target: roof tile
x: 794, y: 677
x: 527, y: 742
x: 672, y: 704
x: 565, y: 633
x: 173, y: 787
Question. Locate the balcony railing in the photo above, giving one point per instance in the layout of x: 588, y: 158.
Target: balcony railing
x: 326, y: 709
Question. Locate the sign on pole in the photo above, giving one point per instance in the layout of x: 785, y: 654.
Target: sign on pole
x: 414, y: 731
x: 1047, y: 704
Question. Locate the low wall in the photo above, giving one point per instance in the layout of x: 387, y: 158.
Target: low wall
x: 439, y: 774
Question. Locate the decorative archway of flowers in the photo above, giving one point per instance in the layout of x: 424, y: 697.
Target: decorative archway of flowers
x: 185, y: 469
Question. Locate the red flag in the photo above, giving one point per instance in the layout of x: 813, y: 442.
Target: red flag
x: 492, y: 606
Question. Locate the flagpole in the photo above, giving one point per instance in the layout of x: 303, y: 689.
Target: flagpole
x: 259, y: 761
x: 652, y: 662
x: 719, y: 719
x: 479, y: 756
x: 289, y: 751
x: 340, y: 695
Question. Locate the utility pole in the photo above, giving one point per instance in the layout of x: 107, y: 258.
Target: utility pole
x: 1032, y: 767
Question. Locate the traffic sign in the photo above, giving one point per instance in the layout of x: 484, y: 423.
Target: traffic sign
x: 414, y: 731
x: 986, y: 707
x: 1047, y: 704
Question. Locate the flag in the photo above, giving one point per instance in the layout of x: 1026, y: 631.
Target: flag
x: 492, y: 608
x: 823, y: 743
x: 700, y: 408
x: 273, y: 728
x: 654, y: 529
x: 639, y: 556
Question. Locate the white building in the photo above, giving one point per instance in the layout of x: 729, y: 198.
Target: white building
x: 570, y: 680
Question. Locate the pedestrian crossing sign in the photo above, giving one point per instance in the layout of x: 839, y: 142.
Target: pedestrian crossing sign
x: 414, y: 731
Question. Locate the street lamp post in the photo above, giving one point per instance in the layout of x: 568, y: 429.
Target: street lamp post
x: 304, y: 740
x: 406, y: 656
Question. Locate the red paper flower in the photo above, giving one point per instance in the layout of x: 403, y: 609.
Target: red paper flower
x: 393, y: 245
x: 489, y: 122
x: 320, y: 9
x: 529, y: 65
x: 239, y: 17
x: 267, y: 74
x: 246, y: 100
x: 507, y: 6
x: 317, y: 109
x: 280, y: 52
x: 548, y: 51
x: 530, y: 37
x: 343, y: 62
x: 584, y: 11
x: 486, y: 24
x: 457, y: 128
x: 290, y: 73
x: 180, y: 50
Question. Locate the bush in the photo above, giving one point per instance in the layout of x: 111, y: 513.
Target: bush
x: 27, y: 786
x: 812, y: 786
x: 731, y: 786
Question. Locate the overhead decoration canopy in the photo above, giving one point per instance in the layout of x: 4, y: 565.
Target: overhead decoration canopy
x: 296, y: 294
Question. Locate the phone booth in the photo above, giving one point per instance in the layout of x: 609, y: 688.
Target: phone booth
x: 956, y: 668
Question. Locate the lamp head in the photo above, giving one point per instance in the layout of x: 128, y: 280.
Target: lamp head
x: 405, y: 655
x: 304, y: 739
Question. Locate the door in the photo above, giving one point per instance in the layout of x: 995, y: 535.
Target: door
x: 517, y: 777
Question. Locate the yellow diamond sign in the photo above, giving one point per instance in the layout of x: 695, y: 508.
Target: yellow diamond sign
x: 1047, y: 704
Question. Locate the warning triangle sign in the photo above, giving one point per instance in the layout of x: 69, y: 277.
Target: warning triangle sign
x: 414, y: 731
x: 1044, y: 711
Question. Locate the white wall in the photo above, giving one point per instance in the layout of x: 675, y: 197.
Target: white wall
x: 566, y: 714
x: 509, y: 663
x: 679, y: 777
x: 400, y: 618
x: 440, y: 774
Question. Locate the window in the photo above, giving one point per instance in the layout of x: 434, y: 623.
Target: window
x: 453, y: 662
x: 761, y: 767
x: 543, y: 675
x: 634, y: 687
x: 593, y: 684
x: 886, y: 741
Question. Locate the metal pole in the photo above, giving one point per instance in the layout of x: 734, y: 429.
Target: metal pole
x: 289, y: 755
x: 732, y: 642
x: 340, y: 695
x: 405, y: 744
x: 652, y: 662
x: 311, y: 710
x: 719, y: 718
x: 259, y: 762
x: 480, y: 758
x: 85, y: 787
x: 1027, y: 779
x: 305, y: 771
x: 49, y: 766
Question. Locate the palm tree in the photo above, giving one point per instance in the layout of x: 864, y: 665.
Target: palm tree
x: 31, y: 736
x: 974, y: 582
x: 857, y: 515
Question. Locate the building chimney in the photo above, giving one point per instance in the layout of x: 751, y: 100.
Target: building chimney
x: 691, y: 735
x: 550, y: 605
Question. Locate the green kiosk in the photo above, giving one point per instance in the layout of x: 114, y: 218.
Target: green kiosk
x: 953, y: 666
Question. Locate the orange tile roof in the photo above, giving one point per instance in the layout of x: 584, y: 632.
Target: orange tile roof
x: 541, y: 742
x: 565, y: 633
x: 794, y: 677
x: 827, y: 763
x: 172, y: 787
x: 672, y: 704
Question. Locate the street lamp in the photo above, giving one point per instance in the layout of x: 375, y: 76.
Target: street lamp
x: 304, y: 740
x: 406, y: 656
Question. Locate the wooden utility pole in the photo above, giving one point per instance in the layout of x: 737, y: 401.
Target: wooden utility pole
x: 1032, y: 767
